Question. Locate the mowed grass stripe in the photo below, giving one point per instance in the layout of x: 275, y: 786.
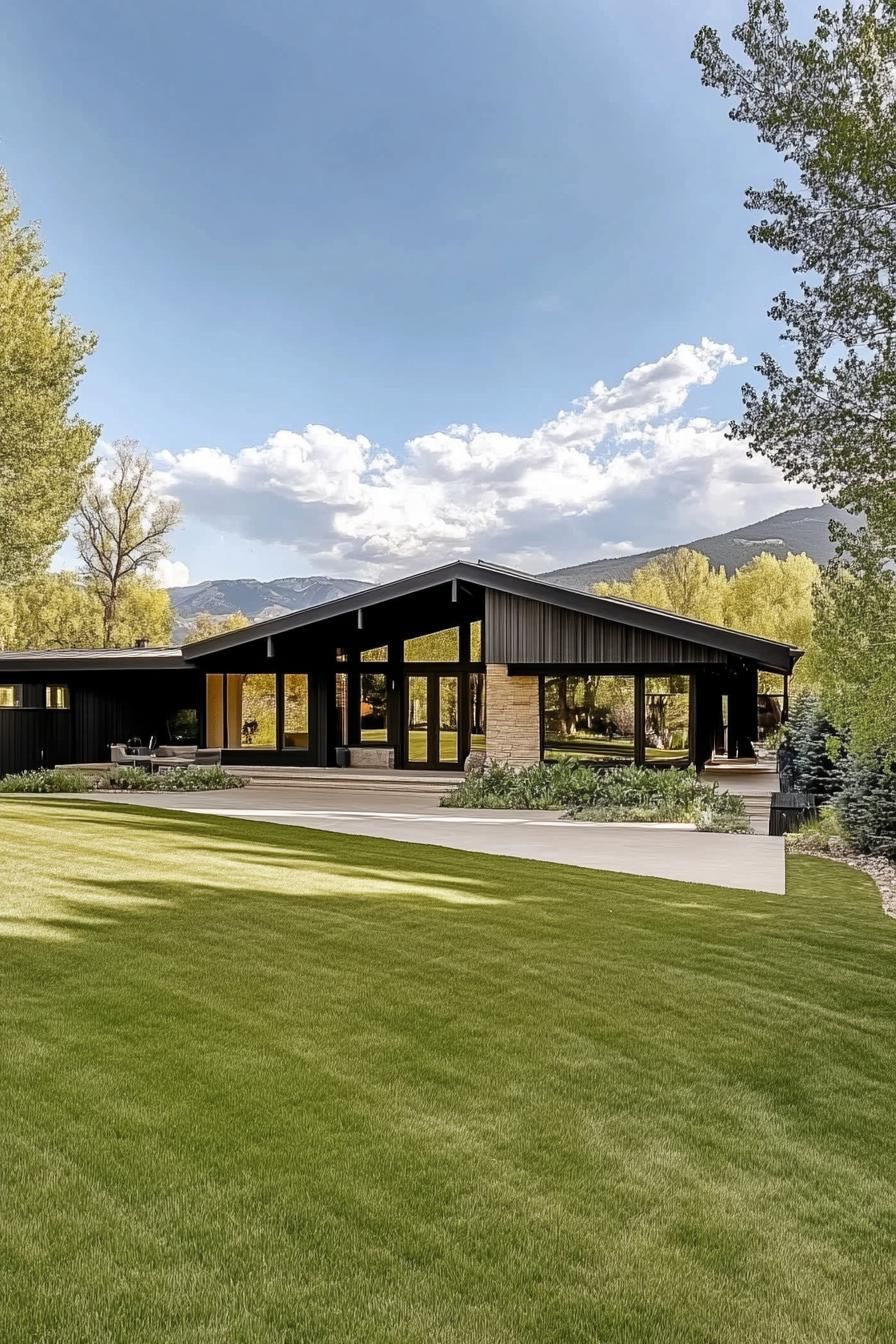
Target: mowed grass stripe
x: 262, y: 1083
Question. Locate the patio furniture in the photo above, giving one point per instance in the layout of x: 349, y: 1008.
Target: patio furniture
x: 119, y: 755
x: 172, y: 757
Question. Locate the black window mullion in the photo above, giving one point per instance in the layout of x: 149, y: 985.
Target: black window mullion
x: 640, y: 729
x: 434, y: 716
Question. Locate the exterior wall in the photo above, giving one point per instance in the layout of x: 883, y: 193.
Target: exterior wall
x: 106, y: 707
x: 520, y: 630
x: 513, y: 717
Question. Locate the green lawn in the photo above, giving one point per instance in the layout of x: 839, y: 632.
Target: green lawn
x: 266, y: 1084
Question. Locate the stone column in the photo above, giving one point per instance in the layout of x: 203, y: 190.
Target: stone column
x: 512, y: 725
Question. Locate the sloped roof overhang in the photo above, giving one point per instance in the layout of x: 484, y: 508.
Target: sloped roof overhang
x: 765, y: 653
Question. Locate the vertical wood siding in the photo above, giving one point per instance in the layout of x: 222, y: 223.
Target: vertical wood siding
x: 519, y: 630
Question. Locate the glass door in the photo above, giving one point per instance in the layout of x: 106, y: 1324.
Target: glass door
x: 432, y: 732
x: 448, y: 726
x: 417, y: 752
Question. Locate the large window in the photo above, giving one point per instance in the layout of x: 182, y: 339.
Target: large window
x: 241, y: 711
x: 295, y: 711
x: 667, y: 719
x: 252, y: 710
x: 377, y: 655
x: 11, y: 696
x: 443, y: 646
x: 374, y: 718
x: 591, y: 717
x: 183, y: 726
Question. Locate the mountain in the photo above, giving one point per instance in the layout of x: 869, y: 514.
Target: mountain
x: 790, y: 533
x: 258, y: 600
x: 795, y: 531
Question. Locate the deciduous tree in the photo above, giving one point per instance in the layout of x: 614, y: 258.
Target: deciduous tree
x: 206, y: 626
x: 856, y: 651
x: 122, y: 528
x: 682, y: 581
x: 768, y: 596
x: 772, y: 597
x: 60, y: 611
x: 828, y: 106
x: 44, y: 446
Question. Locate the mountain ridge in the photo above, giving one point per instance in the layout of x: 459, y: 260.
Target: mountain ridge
x: 258, y: 599
x: 788, y: 533
x: 792, y: 532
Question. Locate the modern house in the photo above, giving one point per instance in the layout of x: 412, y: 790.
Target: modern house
x: 415, y: 673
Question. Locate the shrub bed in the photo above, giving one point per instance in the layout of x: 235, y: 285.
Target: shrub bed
x: 129, y: 778
x: 820, y: 835
x: 45, y: 781
x: 625, y: 793
x: 179, y: 779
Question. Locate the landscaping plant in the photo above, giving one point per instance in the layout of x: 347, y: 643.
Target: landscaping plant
x: 809, y: 733
x: 819, y: 835
x: 45, y: 781
x: 626, y: 793
x: 866, y: 805
x: 179, y: 779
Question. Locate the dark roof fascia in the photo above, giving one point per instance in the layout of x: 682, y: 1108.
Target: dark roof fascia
x: 780, y: 656
x: 86, y: 660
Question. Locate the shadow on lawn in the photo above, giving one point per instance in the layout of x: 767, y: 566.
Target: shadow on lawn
x: 329, y: 867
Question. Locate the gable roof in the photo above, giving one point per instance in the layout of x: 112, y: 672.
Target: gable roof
x: 482, y: 575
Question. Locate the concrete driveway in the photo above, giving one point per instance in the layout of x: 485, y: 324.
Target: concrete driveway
x: 752, y: 862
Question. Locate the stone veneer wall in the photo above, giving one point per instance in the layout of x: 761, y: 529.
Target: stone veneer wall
x: 512, y: 727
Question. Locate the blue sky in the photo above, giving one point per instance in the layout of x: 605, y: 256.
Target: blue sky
x: 385, y: 220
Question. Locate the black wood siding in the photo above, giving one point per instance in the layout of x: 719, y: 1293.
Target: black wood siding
x: 106, y: 707
x: 518, y: 630
x: 30, y: 738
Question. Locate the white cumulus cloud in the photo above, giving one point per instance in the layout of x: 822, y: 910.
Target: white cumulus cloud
x: 620, y: 470
x: 172, y: 573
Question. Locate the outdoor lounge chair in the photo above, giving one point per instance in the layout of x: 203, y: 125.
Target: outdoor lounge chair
x: 167, y: 758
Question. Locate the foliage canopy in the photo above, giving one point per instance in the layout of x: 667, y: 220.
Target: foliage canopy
x: 828, y: 106
x: 44, y: 446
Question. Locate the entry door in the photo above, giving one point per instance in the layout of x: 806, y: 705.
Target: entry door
x: 432, y: 731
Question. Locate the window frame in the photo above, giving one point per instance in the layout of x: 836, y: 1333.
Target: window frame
x: 18, y: 703
x: 57, y: 686
x: 640, y: 679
